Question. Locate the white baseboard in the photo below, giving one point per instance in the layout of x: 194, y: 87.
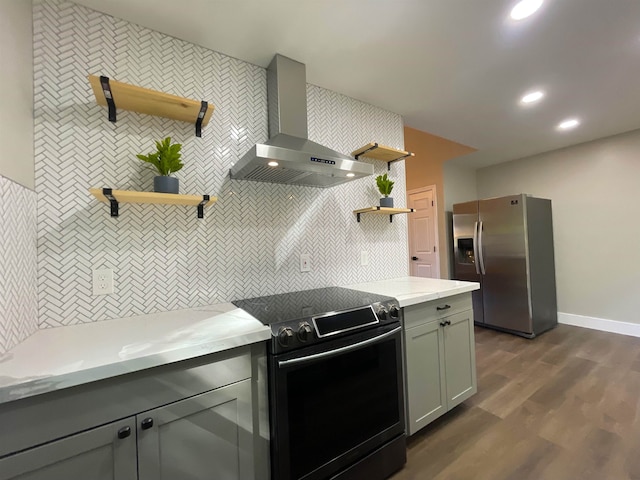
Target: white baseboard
x: 613, y: 326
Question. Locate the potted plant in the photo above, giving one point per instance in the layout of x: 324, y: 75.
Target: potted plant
x: 166, y: 159
x: 385, y: 185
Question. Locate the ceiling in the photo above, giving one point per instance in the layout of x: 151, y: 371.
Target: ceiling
x: 453, y: 68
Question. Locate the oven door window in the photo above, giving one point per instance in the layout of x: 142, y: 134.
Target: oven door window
x: 333, y: 406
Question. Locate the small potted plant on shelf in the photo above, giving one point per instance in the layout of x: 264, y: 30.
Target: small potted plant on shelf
x: 385, y: 185
x: 166, y: 159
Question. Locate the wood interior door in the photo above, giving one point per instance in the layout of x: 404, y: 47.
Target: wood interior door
x: 423, y: 233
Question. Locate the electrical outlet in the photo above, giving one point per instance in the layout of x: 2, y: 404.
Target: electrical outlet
x: 364, y: 258
x: 305, y: 262
x: 103, y: 281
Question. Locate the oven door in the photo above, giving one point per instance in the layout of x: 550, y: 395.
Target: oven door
x: 333, y: 403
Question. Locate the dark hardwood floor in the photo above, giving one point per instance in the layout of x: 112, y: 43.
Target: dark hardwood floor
x: 563, y: 406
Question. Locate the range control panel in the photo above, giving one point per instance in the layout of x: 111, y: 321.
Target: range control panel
x: 293, y: 334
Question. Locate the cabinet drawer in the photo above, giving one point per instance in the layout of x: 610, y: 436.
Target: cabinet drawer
x: 421, y: 313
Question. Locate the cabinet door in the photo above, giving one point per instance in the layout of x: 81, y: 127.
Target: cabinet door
x: 208, y: 436
x: 425, y: 375
x: 97, y: 454
x: 460, y: 358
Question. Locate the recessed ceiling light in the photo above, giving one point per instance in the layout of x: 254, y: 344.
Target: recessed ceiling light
x: 568, y: 124
x: 532, y: 97
x: 525, y: 8
x: 273, y: 164
x: 351, y: 174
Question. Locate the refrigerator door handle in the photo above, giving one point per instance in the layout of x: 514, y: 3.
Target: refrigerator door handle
x: 475, y: 248
x: 480, y: 249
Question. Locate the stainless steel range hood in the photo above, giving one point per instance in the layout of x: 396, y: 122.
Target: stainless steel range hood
x: 299, y: 160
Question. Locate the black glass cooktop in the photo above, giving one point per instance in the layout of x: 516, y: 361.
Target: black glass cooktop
x: 306, y: 303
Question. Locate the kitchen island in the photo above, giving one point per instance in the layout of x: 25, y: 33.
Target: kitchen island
x: 439, y: 344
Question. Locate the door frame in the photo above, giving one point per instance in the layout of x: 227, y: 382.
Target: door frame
x: 435, y: 218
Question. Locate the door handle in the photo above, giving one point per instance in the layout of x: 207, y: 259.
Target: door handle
x: 481, y: 247
x: 124, y: 432
x: 414, y: 258
x: 476, y: 259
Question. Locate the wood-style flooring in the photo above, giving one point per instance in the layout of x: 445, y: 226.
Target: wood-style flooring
x: 563, y: 406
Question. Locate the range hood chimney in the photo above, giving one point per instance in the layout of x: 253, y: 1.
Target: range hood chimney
x: 289, y: 156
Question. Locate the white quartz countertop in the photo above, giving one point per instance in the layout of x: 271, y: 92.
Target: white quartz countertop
x: 63, y: 357
x: 412, y: 290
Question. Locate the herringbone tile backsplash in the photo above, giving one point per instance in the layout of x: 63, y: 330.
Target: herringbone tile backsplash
x: 163, y: 257
x: 18, y: 300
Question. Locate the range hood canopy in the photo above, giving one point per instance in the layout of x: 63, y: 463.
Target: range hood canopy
x: 299, y: 160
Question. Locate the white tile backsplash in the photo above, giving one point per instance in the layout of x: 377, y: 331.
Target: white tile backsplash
x: 18, y: 293
x: 163, y: 257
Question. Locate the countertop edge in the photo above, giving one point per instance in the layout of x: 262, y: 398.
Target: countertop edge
x: 417, y: 297
x: 52, y: 383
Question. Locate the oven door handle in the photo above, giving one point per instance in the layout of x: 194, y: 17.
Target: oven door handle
x: 337, y: 351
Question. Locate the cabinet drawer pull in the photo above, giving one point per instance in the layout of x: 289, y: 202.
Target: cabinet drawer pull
x: 446, y: 307
x: 147, y: 423
x: 124, y: 432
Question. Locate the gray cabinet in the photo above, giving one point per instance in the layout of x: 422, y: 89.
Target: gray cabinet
x: 459, y: 358
x: 98, y: 454
x: 204, y: 437
x: 194, y: 420
x: 425, y: 375
x: 440, y: 370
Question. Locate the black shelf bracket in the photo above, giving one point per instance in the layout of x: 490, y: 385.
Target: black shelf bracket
x: 108, y: 193
x: 375, y: 145
x: 397, y: 159
x: 106, y: 89
x: 203, y: 110
x: 205, y: 200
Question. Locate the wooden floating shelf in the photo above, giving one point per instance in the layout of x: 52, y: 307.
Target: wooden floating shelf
x: 114, y: 197
x: 381, y: 152
x: 382, y: 211
x: 151, y: 102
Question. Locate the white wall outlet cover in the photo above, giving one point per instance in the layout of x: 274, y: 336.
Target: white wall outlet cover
x: 103, y: 281
x: 305, y: 262
x: 364, y: 258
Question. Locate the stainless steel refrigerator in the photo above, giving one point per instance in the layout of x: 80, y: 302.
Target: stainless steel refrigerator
x: 506, y: 244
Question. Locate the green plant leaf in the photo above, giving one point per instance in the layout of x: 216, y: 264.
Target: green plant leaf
x: 166, y: 158
x: 385, y: 185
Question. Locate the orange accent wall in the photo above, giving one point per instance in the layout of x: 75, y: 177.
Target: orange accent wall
x: 426, y: 169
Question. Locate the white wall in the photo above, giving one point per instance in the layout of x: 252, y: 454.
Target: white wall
x: 595, y: 193
x: 16, y: 91
x: 459, y: 186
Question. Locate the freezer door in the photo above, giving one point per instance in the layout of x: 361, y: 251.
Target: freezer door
x: 502, y: 240
x: 465, y: 251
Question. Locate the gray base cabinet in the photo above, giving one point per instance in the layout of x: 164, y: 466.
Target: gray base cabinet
x: 97, y: 454
x: 204, y: 437
x: 440, y: 366
x: 195, y: 420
